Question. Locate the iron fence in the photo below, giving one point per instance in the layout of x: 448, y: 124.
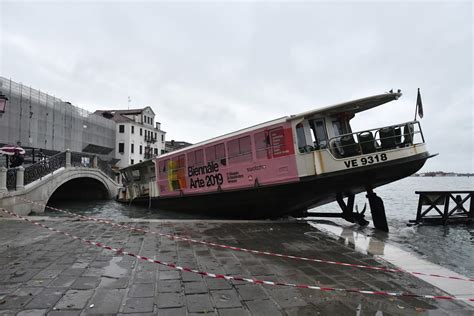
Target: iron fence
x: 11, y: 179
x: 82, y: 160
x: 46, y: 166
x: 105, y: 167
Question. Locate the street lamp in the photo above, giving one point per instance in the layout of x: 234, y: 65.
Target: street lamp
x: 3, y: 103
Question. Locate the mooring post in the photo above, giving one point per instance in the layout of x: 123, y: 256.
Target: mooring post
x: 20, y: 176
x: 94, y: 162
x: 68, y: 158
x: 378, y: 211
x: 3, y: 180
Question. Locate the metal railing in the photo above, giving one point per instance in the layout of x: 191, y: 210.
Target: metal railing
x: 150, y: 139
x: 376, y: 140
x: 82, y: 160
x: 11, y: 179
x: 44, y: 167
x: 105, y: 167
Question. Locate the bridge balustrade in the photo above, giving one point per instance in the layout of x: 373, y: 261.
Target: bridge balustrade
x: 44, y: 167
x: 10, y: 180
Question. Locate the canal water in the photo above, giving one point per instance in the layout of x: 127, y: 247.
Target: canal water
x: 450, y: 246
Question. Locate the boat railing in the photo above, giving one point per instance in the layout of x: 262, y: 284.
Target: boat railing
x: 376, y: 140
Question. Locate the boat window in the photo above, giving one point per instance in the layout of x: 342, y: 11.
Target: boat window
x: 262, y: 145
x: 136, y: 174
x: 318, y: 133
x: 163, y: 168
x: 176, y: 172
x: 300, y: 136
x: 337, y: 127
x: 196, y: 158
x: 240, y: 150
x: 216, y: 153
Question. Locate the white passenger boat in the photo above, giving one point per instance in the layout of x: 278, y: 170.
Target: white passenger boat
x: 284, y: 167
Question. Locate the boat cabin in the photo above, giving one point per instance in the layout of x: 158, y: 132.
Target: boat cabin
x: 328, y: 131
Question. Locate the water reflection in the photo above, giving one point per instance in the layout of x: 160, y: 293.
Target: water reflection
x: 353, y: 238
x: 451, y: 246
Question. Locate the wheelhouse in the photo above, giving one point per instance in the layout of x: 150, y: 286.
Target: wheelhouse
x: 325, y: 141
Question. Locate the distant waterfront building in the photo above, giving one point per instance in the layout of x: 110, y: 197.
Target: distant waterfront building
x: 138, y: 136
x: 38, y: 120
x: 175, y: 145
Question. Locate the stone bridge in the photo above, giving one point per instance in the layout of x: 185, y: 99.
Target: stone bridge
x: 64, y: 176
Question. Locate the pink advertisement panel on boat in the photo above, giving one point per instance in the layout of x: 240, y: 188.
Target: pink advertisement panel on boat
x: 259, y: 157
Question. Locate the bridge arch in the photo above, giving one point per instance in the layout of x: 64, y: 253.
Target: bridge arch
x: 80, y: 188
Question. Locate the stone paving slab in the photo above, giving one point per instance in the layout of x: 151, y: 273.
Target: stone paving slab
x: 43, y: 273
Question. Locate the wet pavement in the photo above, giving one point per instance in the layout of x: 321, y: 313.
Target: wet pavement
x: 45, y: 273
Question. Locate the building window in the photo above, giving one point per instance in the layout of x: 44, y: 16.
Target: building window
x: 163, y: 152
x: 121, y: 128
x: 131, y: 148
x: 144, y: 119
x: 141, y: 131
x: 156, y: 151
x: 141, y: 149
x: 155, y: 135
x: 133, y: 129
x: 121, y: 148
x: 131, y: 161
x: 162, y: 137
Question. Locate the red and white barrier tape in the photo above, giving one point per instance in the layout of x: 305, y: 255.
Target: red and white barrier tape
x: 238, y: 278
x: 258, y: 252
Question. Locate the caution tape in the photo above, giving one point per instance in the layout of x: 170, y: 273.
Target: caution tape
x: 239, y: 278
x: 253, y: 251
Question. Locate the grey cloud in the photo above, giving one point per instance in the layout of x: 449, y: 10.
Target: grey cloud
x: 209, y: 68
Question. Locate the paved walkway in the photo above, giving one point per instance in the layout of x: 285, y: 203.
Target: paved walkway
x: 45, y: 273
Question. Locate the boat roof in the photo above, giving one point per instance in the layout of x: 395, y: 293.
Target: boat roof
x: 353, y: 106
x: 137, y: 165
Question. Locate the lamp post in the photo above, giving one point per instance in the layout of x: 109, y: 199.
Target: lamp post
x: 3, y: 103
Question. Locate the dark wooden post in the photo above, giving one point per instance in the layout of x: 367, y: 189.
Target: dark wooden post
x: 420, y: 204
x: 446, y: 208
x: 471, y: 206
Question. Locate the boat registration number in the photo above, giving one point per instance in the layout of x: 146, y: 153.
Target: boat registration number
x: 366, y: 160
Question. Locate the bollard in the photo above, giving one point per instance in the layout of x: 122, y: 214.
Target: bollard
x: 3, y: 180
x: 20, y: 175
x: 68, y: 158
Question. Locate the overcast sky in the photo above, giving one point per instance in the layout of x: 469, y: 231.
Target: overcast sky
x: 209, y: 68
